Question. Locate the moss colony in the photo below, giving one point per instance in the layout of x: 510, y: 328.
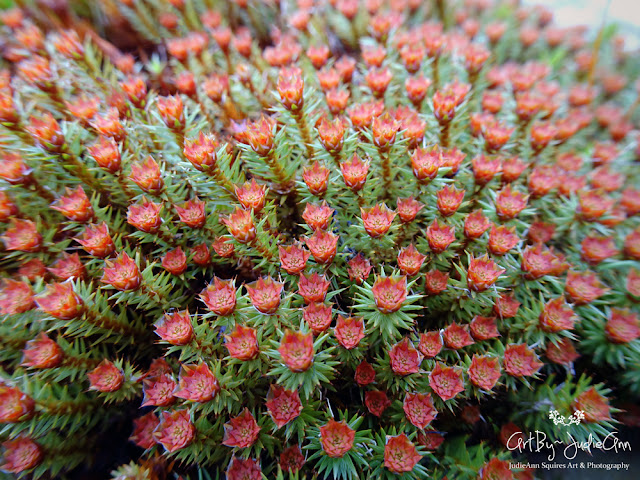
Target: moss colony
x: 331, y: 239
